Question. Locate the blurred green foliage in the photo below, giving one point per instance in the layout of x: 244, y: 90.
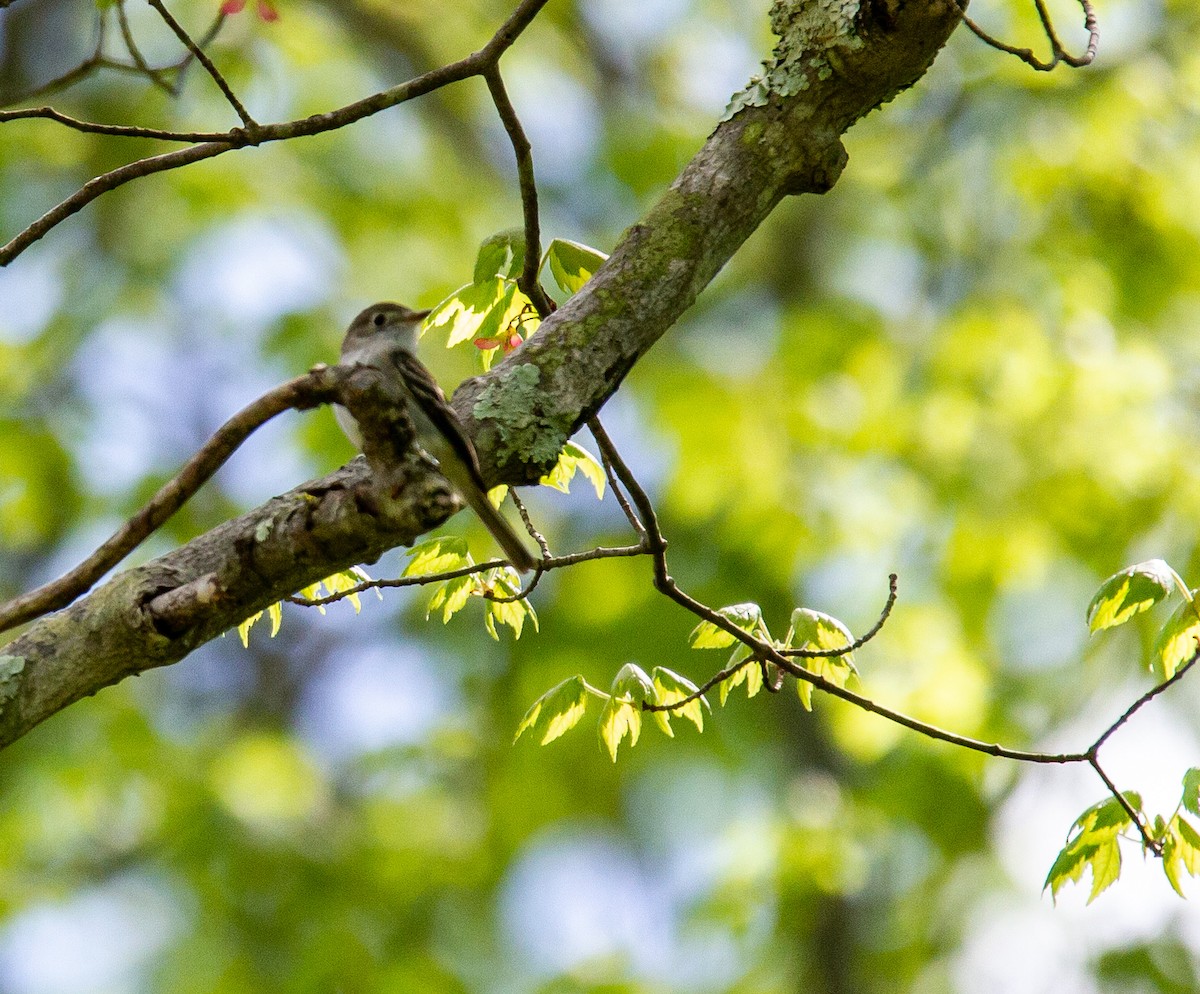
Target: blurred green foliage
x: 974, y: 362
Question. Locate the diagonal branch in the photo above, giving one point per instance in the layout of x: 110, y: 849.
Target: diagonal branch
x: 203, y: 59
x: 255, y: 134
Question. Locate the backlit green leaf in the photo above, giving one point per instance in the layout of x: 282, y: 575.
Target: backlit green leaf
x: 575, y: 458
x: 1106, y: 867
x: 670, y: 688
x: 572, y: 263
x: 556, y: 711
x: 811, y: 629
x: 1176, y: 642
x: 707, y: 635
x: 438, y: 555
x: 503, y: 255
x: 1191, y: 790
x: 1132, y: 590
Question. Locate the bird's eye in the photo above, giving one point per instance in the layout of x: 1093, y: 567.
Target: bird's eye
x: 380, y: 319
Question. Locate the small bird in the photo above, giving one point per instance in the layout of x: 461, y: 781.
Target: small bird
x: 391, y: 330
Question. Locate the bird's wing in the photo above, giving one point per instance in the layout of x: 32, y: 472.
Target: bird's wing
x: 429, y: 398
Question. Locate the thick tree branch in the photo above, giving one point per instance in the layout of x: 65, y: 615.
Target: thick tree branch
x: 784, y: 140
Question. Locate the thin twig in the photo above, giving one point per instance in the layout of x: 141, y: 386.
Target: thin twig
x: 135, y: 53
x: 557, y: 562
x: 303, y: 391
x: 604, y: 444
x: 473, y: 65
x: 1146, y: 698
x: 205, y: 61
x: 120, y: 130
x: 528, y: 280
x: 1147, y: 840
x: 862, y: 640
x: 1057, y: 52
x: 536, y: 535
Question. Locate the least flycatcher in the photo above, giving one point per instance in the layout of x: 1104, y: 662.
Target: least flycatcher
x: 391, y: 330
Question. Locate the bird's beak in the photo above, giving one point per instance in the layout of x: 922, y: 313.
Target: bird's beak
x: 421, y: 315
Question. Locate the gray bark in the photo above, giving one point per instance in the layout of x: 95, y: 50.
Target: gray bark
x: 836, y: 61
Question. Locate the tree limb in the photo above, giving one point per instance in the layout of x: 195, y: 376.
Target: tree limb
x: 784, y: 140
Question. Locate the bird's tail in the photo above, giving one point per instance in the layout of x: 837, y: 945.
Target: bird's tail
x: 514, y: 549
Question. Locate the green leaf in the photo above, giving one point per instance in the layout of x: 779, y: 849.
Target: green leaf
x: 622, y: 715
x: 741, y: 652
x: 1068, y: 866
x: 1094, y: 843
x: 452, y: 597
x: 1176, y: 642
x: 438, y: 555
x: 464, y: 314
x: 1104, y: 819
x: 505, y: 583
x: 1191, y: 790
x: 1106, y: 867
x: 1129, y: 592
x: 572, y: 263
x: 501, y: 255
x: 575, y: 458
x: 618, y: 720
x: 671, y: 688
x: 1189, y: 843
x: 707, y: 635
x: 557, y: 711
x: 811, y: 629
x: 244, y: 628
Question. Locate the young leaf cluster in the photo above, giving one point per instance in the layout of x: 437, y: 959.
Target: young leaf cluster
x: 492, y: 311
x: 1094, y: 840
x: 664, y: 691
x: 344, y: 580
x: 448, y: 553
x: 1136, y: 589
x: 562, y: 707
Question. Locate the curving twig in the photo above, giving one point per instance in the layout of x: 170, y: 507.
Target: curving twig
x: 476, y: 64
x: 1057, y: 52
x: 309, y: 390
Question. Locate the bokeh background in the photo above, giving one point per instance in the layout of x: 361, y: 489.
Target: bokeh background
x: 974, y: 362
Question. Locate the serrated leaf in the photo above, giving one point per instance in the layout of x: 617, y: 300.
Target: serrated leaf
x: 464, y: 312
x: 572, y: 264
x: 1106, y: 867
x: 275, y: 613
x: 1173, y: 858
x: 754, y: 679
x: 811, y: 629
x: 502, y: 255
x: 1189, y: 844
x: 671, y: 688
x: 618, y: 720
x: 557, y: 711
x: 438, y: 555
x: 575, y: 458
x: 1104, y: 819
x: 804, y: 689
x: 1131, y: 591
x: 1068, y: 865
x: 707, y: 635
x: 451, y: 597
x: 1176, y: 642
x: 741, y: 652
x: 244, y: 628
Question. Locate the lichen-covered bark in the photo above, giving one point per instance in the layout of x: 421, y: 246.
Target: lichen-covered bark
x: 836, y: 60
